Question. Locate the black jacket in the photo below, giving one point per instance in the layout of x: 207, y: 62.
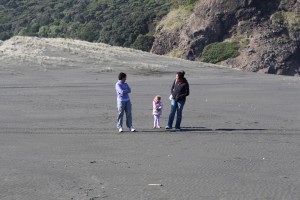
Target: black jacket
x: 180, y: 91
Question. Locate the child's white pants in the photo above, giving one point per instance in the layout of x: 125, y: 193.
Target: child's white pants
x: 156, y: 120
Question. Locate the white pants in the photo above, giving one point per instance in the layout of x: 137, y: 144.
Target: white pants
x: 156, y: 120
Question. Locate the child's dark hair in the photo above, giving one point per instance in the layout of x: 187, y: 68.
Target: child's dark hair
x: 122, y: 75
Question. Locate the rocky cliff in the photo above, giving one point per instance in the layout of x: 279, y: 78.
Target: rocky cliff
x: 267, y: 33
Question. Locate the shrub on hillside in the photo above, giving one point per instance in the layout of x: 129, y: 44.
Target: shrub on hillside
x: 219, y: 51
x: 89, y: 31
x: 176, y: 54
x: 291, y: 20
x: 143, y: 42
x: 5, y: 35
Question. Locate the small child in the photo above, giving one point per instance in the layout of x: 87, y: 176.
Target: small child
x: 157, y: 110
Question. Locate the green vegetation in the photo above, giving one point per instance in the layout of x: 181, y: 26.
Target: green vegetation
x: 242, y: 40
x: 143, y: 42
x: 283, y: 39
x: 127, y: 23
x: 282, y: 2
x: 277, y: 18
x: 219, y: 51
x: 186, y: 4
x: 175, y: 54
x: 175, y: 19
x: 291, y: 20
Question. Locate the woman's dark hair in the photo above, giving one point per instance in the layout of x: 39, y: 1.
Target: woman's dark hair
x: 180, y: 74
x: 122, y: 75
x: 183, y: 73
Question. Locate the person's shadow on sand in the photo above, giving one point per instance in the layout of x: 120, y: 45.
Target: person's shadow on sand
x: 200, y: 129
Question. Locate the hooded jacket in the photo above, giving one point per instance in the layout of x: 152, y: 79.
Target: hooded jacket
x: 181, y: 90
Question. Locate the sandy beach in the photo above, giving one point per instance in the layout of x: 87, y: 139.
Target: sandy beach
x: 59, y: 141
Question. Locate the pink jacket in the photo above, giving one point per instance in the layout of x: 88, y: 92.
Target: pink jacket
x: 157, y: 108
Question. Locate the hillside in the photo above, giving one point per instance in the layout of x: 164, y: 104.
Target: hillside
x: 20, y: 55
x: 253, y: 35
x: 115, y: 22
x: 256, y: 35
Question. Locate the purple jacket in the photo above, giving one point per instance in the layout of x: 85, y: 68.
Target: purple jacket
x: 122, y: 90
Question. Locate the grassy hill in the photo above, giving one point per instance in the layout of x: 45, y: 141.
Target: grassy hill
x: 127, y: 23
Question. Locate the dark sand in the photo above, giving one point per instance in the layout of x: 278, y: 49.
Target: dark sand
x: 58, y: 136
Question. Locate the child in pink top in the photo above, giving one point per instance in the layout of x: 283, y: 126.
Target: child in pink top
x: 157, y: 110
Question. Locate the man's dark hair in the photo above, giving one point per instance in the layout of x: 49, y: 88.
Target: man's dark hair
x: 122, y: 75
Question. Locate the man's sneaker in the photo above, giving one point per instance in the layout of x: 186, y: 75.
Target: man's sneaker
x: 120, y: 130
x: 132, y: 129
x: 177, y: 129
x: 168, y: 127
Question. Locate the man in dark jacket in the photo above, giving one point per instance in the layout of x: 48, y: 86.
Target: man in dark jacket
x: 179, y: 90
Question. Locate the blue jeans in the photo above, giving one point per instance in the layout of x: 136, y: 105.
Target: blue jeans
x: 176, y: 106
x: 124, y: 106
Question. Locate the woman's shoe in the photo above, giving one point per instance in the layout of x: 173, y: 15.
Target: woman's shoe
x: 132, y: 129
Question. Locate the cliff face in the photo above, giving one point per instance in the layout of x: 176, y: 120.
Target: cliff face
x: 268, y: 32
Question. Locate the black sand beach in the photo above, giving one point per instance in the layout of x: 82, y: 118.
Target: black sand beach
x: 58, y: 135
